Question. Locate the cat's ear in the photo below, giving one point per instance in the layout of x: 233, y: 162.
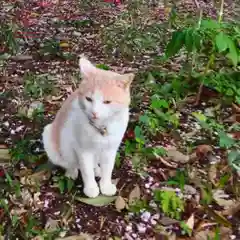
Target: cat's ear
x: 126, y: 80
x: 87, y: 69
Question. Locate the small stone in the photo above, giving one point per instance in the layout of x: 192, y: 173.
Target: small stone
x: 6, y: 124
x: 128, y: 228
x: 145, y: 216
x: 12, y: 132
x: 141, y: 228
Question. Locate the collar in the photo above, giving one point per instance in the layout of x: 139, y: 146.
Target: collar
x: 102, y: 129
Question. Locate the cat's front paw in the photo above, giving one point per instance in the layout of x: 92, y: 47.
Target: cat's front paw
x: 108, y: 189
x: 72, y: 173
x: 91, y: 191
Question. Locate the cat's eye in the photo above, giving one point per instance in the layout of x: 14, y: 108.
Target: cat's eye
x: 88, y: 99
x: 107, y: 102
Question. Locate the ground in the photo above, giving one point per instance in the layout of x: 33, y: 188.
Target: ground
x: 174, y: 172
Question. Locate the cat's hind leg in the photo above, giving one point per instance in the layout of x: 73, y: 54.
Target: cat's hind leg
x: 66, y: 162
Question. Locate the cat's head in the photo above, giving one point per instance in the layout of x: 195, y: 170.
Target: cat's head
x: 103, y: 93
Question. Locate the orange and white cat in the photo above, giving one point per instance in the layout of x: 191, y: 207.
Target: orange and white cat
x: 89, y: 127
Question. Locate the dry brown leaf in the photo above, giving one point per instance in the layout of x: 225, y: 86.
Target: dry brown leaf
x: 134, y: 195
x: 120, y: 203
x: 81, y: 236
x: 190, y: 222
x: 177, y: 156
x: 221, y: 198
x: 56, y: 98
x: 207, y: 234
x: 166, y: 163
x: 232, y: 210
x: 203, y: 150
x: 166, y: 221
x: 38, y: 177
x: 27, y: 198
x: 51, y: 224
x: 212, y: 173
x: 4, y: 155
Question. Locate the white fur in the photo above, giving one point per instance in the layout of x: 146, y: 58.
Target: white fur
x: 83, y: 147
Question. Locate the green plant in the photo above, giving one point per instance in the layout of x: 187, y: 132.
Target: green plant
x: 9, y: 41
x: 170, y: 203
x: 54, y: 48
x: 37, y: 86
x: 22, y: 151
x: 210, y: 42
x: 179, y: 180
x: 64, y: 183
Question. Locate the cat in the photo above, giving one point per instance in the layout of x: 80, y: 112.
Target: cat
x: 88, y: 129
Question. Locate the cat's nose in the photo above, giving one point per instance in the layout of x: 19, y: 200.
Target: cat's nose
x: 94, y: 115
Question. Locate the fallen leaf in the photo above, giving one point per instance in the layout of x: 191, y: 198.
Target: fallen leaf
x: 51, y: 224
x: 64, y: 44
x: 134, y: 195
x: 190, y: 222
x: 36, y: 178
x: 99, y: 201
x: 4, y: 155
x: 166, y: 163
x: 22, y: 57
x: 120, y: 203
x: 81, y: 236
x: 224, y: 233
x: 220, y: 197
x: 177, y: 156
x: 232, y: 210
x: 166, y: 221
x: 212, y: 173
x: 217, y: 217
x: 203, y: 150
x: 190, y: 190
x: 27, y: 198
x: 56, y: 98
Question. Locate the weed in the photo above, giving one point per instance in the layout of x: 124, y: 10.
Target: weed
x: 37, y: 86
x: 216, y: 41
x: 179, y: 180
x: 64, y: 183
x: 22, y: 151
x: 9, y: 42
x: 54, y: 48
x: 171, y: 204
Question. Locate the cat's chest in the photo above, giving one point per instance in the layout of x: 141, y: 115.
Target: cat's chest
x: 89, y: 136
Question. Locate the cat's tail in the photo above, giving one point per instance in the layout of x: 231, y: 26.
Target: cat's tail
x: 52, y: 154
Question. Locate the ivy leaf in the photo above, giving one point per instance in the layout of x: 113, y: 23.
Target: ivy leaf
x: 175, y: 44
x: 234, y: 159
x: 221, y: 41
x: 210, y: 24
x: 233, y: 53
x: 138, y: 134
x: 159, y: 103
x: 225, y: 141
